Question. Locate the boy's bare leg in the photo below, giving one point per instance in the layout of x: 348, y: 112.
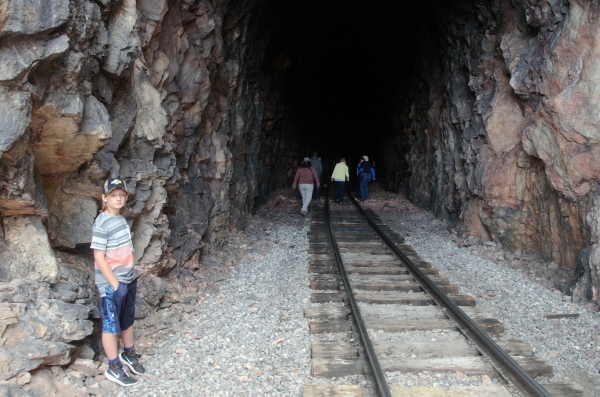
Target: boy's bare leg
x: 127, y: 337
x: 109, y: 342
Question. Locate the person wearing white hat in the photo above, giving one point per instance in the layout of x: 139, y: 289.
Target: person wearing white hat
x: 365, y: 172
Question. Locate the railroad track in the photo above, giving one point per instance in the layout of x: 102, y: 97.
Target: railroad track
x: 367, y: 282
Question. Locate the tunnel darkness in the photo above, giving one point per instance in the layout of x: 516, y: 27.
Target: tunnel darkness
x: 348, y: 66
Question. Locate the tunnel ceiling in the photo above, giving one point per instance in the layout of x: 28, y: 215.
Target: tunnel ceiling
x: 348, y: 64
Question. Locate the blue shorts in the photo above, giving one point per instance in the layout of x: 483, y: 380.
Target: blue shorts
x: 117, y: 308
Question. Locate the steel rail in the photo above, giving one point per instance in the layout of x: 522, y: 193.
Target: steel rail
x: 379, y: 376
x: 503, y: 362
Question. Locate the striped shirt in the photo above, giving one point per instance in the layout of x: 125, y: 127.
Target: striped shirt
x: 110, y: 233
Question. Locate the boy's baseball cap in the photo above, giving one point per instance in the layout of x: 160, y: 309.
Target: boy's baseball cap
x: 114, y: 183
x: 306, y: 159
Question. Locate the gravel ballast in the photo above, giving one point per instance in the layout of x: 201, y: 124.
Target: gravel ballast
x: 240, y: 330
x: 520, y: 299
x: 248, y: 337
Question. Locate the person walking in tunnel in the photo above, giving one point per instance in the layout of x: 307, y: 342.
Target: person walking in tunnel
x: 340, y: 176
x: 116, y: 281
x: 365, y: 172
x: 326, y: 170
x: 305, y: 179
x: 318, y: 166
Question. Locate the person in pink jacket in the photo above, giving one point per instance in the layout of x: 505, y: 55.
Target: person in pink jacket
x: 306, y: 178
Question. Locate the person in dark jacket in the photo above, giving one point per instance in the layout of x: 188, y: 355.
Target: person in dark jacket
x: 318, y: 166
x: 365, y: 172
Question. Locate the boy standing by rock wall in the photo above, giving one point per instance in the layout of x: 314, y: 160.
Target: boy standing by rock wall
x: 116, y: 281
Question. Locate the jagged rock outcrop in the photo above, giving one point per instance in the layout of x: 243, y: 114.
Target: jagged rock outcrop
x: 141, y: 89
x: 500, y: 131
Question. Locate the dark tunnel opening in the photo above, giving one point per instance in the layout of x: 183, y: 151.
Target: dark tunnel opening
x: 347, y: 68
x: 443, y: 96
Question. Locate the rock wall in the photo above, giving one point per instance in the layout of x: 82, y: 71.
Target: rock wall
x: 164, y: 93
x: 500, y: 131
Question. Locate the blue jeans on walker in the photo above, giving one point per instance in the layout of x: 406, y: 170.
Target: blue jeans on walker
x: 340, y: 190
x: 365, y: 179
x: 316, y: 191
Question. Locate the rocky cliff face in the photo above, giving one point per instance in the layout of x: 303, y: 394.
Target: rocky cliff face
x: 164, y: 94
x: 494, y: 126
x: 500, y: 131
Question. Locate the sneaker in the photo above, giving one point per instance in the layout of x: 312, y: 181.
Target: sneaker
x: 118, y: 375
x: 132, y: 362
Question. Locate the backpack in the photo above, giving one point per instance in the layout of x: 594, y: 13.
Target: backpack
x: 366, y: 167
